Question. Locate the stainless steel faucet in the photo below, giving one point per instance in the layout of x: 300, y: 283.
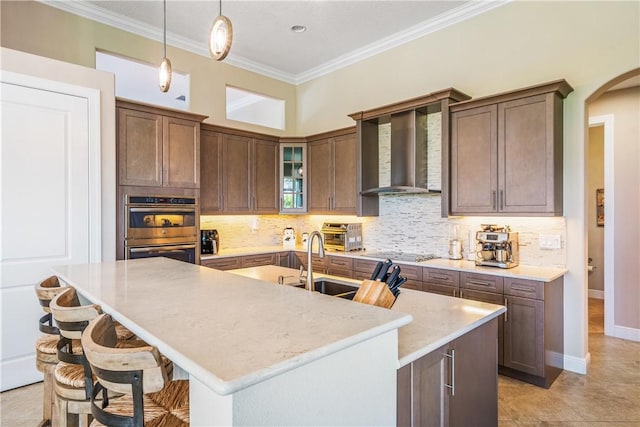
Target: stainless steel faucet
x: 310, y: 284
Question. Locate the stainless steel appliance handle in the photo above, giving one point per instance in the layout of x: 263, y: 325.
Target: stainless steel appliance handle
x: 163, y: 210
x: 162, y: 248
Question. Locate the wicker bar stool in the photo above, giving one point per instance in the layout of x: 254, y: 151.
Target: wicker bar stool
x: 73, y: 381
x: 46, y: 346
x: 149, y: 398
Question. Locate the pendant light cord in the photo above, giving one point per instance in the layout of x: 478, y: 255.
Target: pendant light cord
x: 164, y: 38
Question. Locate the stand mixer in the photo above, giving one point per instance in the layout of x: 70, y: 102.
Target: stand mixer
x: 497, y: 246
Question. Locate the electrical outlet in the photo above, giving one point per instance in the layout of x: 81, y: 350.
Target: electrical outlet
x: 549, y: 241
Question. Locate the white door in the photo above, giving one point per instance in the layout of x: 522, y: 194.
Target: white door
x: 45, y: 215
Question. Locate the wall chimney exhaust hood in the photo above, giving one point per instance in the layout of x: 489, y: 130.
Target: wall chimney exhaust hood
x: 402, y: 148
x: 408, y: 155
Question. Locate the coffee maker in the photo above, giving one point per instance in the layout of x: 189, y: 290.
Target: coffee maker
x: 209, y: 242
x: 497, y: 246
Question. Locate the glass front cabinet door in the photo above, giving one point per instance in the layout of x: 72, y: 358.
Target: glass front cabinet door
x: 293, y: 178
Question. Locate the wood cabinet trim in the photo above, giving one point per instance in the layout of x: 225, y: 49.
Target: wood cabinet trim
x: 155, y: 109
x: 239, y: 132
x: 559, y: 87
x: 410, y: 104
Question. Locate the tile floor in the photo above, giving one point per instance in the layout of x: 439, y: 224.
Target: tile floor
x: 608, y: 396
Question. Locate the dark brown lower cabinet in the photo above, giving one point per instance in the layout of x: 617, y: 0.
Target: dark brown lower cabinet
x: 455, y: 385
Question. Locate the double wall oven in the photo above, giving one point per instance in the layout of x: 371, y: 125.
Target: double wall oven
x: 161, y: 226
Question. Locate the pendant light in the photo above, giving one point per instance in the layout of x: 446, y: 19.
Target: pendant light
x: 164, y: 75
x: 220, y: 36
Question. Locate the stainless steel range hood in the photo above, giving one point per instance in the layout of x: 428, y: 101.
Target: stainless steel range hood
x: 408, y: 156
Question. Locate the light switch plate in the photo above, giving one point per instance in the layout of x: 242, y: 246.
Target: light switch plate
x: 549, y: 241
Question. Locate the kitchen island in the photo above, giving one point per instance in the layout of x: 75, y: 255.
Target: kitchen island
x: 258, y: 353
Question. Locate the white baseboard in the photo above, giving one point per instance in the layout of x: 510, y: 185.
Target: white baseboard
x: 595, y: 293
x: 19, y: 372
x: 626, y: 333
x: 578, y: 365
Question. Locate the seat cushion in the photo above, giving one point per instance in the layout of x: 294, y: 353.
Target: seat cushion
x: 70, y: 375
x: 168, y: 407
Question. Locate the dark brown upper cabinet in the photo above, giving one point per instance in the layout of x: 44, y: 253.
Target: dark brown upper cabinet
x: 506, y: 153
x: 332, y: 172
x: 157, y: 147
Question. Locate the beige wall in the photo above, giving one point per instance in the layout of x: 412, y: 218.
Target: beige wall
x: 595, y: 172
x: 42, y: 30
x: 515, y: 45
x: 624, y: 105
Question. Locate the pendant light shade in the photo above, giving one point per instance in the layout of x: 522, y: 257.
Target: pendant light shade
x: 164, y: 73
x: 220, y: 36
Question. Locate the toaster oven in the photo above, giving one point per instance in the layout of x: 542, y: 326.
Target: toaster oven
x: 341, y: 236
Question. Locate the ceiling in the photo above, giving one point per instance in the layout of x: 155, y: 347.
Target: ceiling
x: 339, y: 32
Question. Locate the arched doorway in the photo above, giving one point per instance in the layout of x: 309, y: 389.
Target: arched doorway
x: 621, y: 223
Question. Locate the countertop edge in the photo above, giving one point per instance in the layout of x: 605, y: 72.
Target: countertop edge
x: 412, y: 357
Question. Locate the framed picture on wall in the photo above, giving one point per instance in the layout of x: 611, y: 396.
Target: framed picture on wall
x: 600, y: 207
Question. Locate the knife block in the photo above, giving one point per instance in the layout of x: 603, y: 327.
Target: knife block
x: 375, y: 292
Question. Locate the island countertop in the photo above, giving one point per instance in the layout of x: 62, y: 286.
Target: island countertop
x: 227, y: 330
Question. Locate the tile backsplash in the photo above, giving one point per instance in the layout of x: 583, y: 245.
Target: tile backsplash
x: 408, y: 223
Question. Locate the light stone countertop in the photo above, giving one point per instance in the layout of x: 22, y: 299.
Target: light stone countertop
x: 543, y: 274
x: 228, y: 331
x: 437, y: 319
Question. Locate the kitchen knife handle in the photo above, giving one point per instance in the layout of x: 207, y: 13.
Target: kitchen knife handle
x: 376, y: 270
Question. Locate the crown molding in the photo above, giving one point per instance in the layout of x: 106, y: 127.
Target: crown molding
x: 444, y: 20
x: 461, y: 13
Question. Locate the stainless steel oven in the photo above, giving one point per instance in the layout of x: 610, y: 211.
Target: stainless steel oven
x: 161, y: 226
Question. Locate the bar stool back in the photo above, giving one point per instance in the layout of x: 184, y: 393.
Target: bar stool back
x: 46, y: 345
x: 73, y: 379
x: 139, y: 373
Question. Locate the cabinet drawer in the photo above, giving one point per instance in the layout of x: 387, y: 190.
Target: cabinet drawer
x: 412, y: 284
x: 365, y: 266
x: 437, y: 288
x: 481, y: 282
x: 340, y: 263
x: 443, y: 277
x: 256, y: 260
x: 524, y: 288
x: 411, y: 272
x: 223, y: 263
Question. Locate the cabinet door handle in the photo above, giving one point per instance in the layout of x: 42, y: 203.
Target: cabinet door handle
x: 440, y: 276
x: 454, y: 293
x: 460, y: 293
x: 493, y: 199
x: 506, y: 313
x: 281, y: 203
x: 452, y: 359
x: 501, y: 199
x: 478, y: 282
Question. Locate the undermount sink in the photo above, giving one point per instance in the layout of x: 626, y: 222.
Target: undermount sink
x: 328, y: 287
